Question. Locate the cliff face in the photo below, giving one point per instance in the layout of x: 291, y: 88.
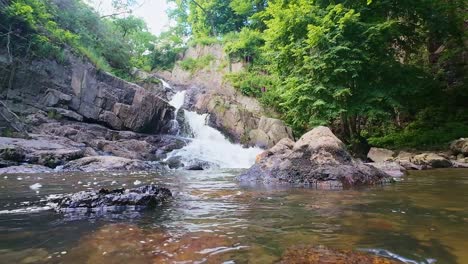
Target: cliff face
x: 78, y: 91
x: 240, y: 117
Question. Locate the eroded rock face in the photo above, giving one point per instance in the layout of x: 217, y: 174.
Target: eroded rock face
x: 148, y: 196
x: 81, y: 92
x: 323, y: 255
x: 318, y: 159
x: 29, y: 168
x: 107, y: 163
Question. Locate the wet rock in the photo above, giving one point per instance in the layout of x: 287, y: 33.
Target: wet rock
x: 323, y: 255
x: 197, y: 164
x: 107, y: 163
x: 380, y: 154
x: 404, y: 159
x: 393, y: 169
x: 431, y: 160
x: 40, y: 149
x: 459, y: 146
x: 148, y: 196
x: 28, y: 168
x: 318, y: 159
x: 174, y: 162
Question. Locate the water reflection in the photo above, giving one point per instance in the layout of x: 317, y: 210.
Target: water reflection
x: 422, y: 219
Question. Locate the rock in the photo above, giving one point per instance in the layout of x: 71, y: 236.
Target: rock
x: 460, y: 163
x: 148, y: 196
x: 93, y: 94
x: 66, y: 113
x: 111, y: 119
x: 404, y: 159
x: 174, y: 162
x: 10, y: 123
x: 40, y: 149
x: 393, y: 169
x: 106, y: 163
x: 460, y: 146
x: 431, y: 160
x: 317, y: 159
x: 130, y: 149
x: 53, y: 98
x: 29, y: 169
x: 380, y: 154
x: 275, y: 129
x: 259, y: 138
x: 323, y: 255
x: 197, y: 164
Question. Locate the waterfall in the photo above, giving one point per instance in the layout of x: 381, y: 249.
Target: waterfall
x: 208, y: 144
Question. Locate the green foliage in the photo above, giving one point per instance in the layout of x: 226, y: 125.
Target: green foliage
x: 44, y: 28
x: 244, y: 44
x: 194, y: 65
x: 251, y: 83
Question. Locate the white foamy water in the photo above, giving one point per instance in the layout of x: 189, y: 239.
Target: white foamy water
x: 209, y: 144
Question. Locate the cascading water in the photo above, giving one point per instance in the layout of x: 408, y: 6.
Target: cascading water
x: 208, y: 144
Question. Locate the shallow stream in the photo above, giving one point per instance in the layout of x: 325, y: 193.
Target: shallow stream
x: 213, y: 219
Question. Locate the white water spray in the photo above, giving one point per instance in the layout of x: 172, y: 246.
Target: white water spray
x: 209, y: 144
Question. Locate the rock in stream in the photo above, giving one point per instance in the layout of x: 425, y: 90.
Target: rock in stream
x: 105, y: 200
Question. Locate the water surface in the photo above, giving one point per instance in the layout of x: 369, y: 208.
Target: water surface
x: 212, y: 219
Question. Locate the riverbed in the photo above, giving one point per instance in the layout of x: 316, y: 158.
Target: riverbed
x: 423, y: 218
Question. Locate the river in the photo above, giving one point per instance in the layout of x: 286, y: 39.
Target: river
x: 421, y: 219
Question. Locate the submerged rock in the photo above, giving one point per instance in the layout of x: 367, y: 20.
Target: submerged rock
x: 92, y: 201
x: 323, y: 255
x: 318, y: 159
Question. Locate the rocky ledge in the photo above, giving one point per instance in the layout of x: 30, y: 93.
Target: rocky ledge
x: 455, y: 157
x: 318, y: 159
x: 104, y: 200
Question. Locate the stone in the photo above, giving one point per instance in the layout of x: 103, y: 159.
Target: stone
x: 323, y: 255
x: 25, y: 169
x: 275, y: 129
x: 318, y: 159
x: 393, y: 169
x: 68, y: 114
x: 111, y: 119
x: 54, y: 98
x: 90, y: 93
x: 106, y: 163
x: 259, y: 138
x: 105, y: 200
x: 380, y: 154
x: 431, y: 160
x: 40, y: 149
x: 459, y: 146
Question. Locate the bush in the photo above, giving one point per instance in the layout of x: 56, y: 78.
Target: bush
x: 194, y: 65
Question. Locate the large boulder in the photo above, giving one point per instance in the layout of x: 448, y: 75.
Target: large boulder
x: 459, y: 146
x: 380, y: 154
x: 431, y: 160
x: 25, y: 169
x: 104, y: 200
x: 106, y: 163
x: 318, y: 159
